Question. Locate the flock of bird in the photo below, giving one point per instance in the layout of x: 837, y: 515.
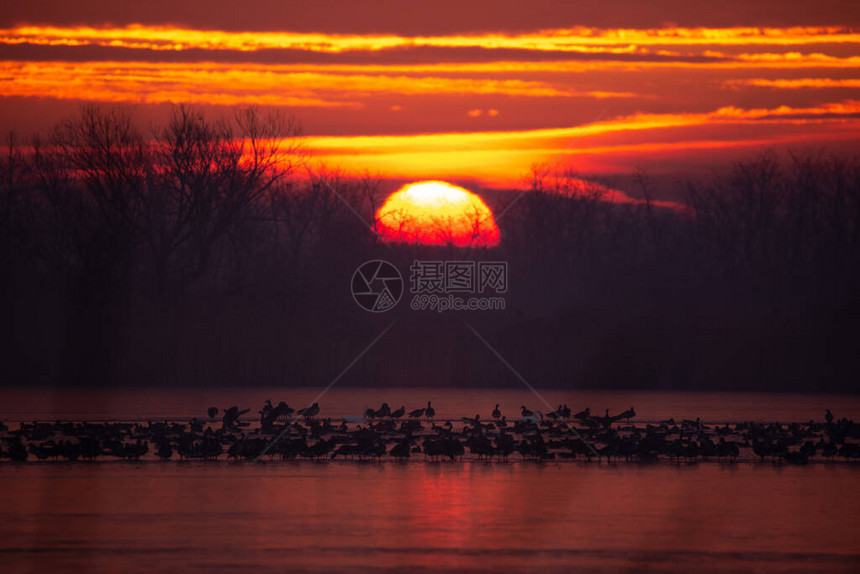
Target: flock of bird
x: 398, y: 434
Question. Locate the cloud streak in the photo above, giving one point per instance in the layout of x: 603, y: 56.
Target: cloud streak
x: 232, y: 84
x: 577, y: 39
x: 414, y: 103
x: 505, y: 156
x: 796, y: 84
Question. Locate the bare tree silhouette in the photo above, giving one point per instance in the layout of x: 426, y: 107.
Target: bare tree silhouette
x: 199, y: 253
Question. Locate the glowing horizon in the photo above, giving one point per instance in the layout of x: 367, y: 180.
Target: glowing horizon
x: 487, y: 104
x: 505, y: 157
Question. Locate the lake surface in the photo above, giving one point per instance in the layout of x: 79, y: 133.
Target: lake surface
x: 422, y: 516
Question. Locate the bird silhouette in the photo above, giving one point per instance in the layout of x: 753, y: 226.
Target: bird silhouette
x: 310, y: 412
x: 283, y: 411
x: 401, y: 450
x: 582, y: 415
x: 531, y: 436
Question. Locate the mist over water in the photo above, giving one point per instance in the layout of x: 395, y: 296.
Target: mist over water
x: 749, y: 283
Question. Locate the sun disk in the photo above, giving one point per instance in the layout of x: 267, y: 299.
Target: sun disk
x: 437, y: 213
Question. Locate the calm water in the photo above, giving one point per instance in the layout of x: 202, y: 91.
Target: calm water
x: 428, y: 517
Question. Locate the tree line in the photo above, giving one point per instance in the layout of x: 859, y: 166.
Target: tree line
x: 208, y: 251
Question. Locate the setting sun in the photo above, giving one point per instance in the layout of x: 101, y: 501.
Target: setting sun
x: 437, y: 213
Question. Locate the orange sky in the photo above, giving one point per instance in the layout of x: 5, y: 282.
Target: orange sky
x: 467, y: 98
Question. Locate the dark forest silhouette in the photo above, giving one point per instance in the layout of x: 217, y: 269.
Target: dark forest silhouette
x: 202, y: 253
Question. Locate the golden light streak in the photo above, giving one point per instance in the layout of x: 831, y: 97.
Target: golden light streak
x: 231, y: 84
x: 504, y: 156
x: 797, y: 83
x: 739, y: 61
x: 577, y: 39
x: 540, y: 138
x: 336, y: 85
x: 721, y: 61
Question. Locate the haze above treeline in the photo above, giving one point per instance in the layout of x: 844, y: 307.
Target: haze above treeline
x: 185, y: 261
